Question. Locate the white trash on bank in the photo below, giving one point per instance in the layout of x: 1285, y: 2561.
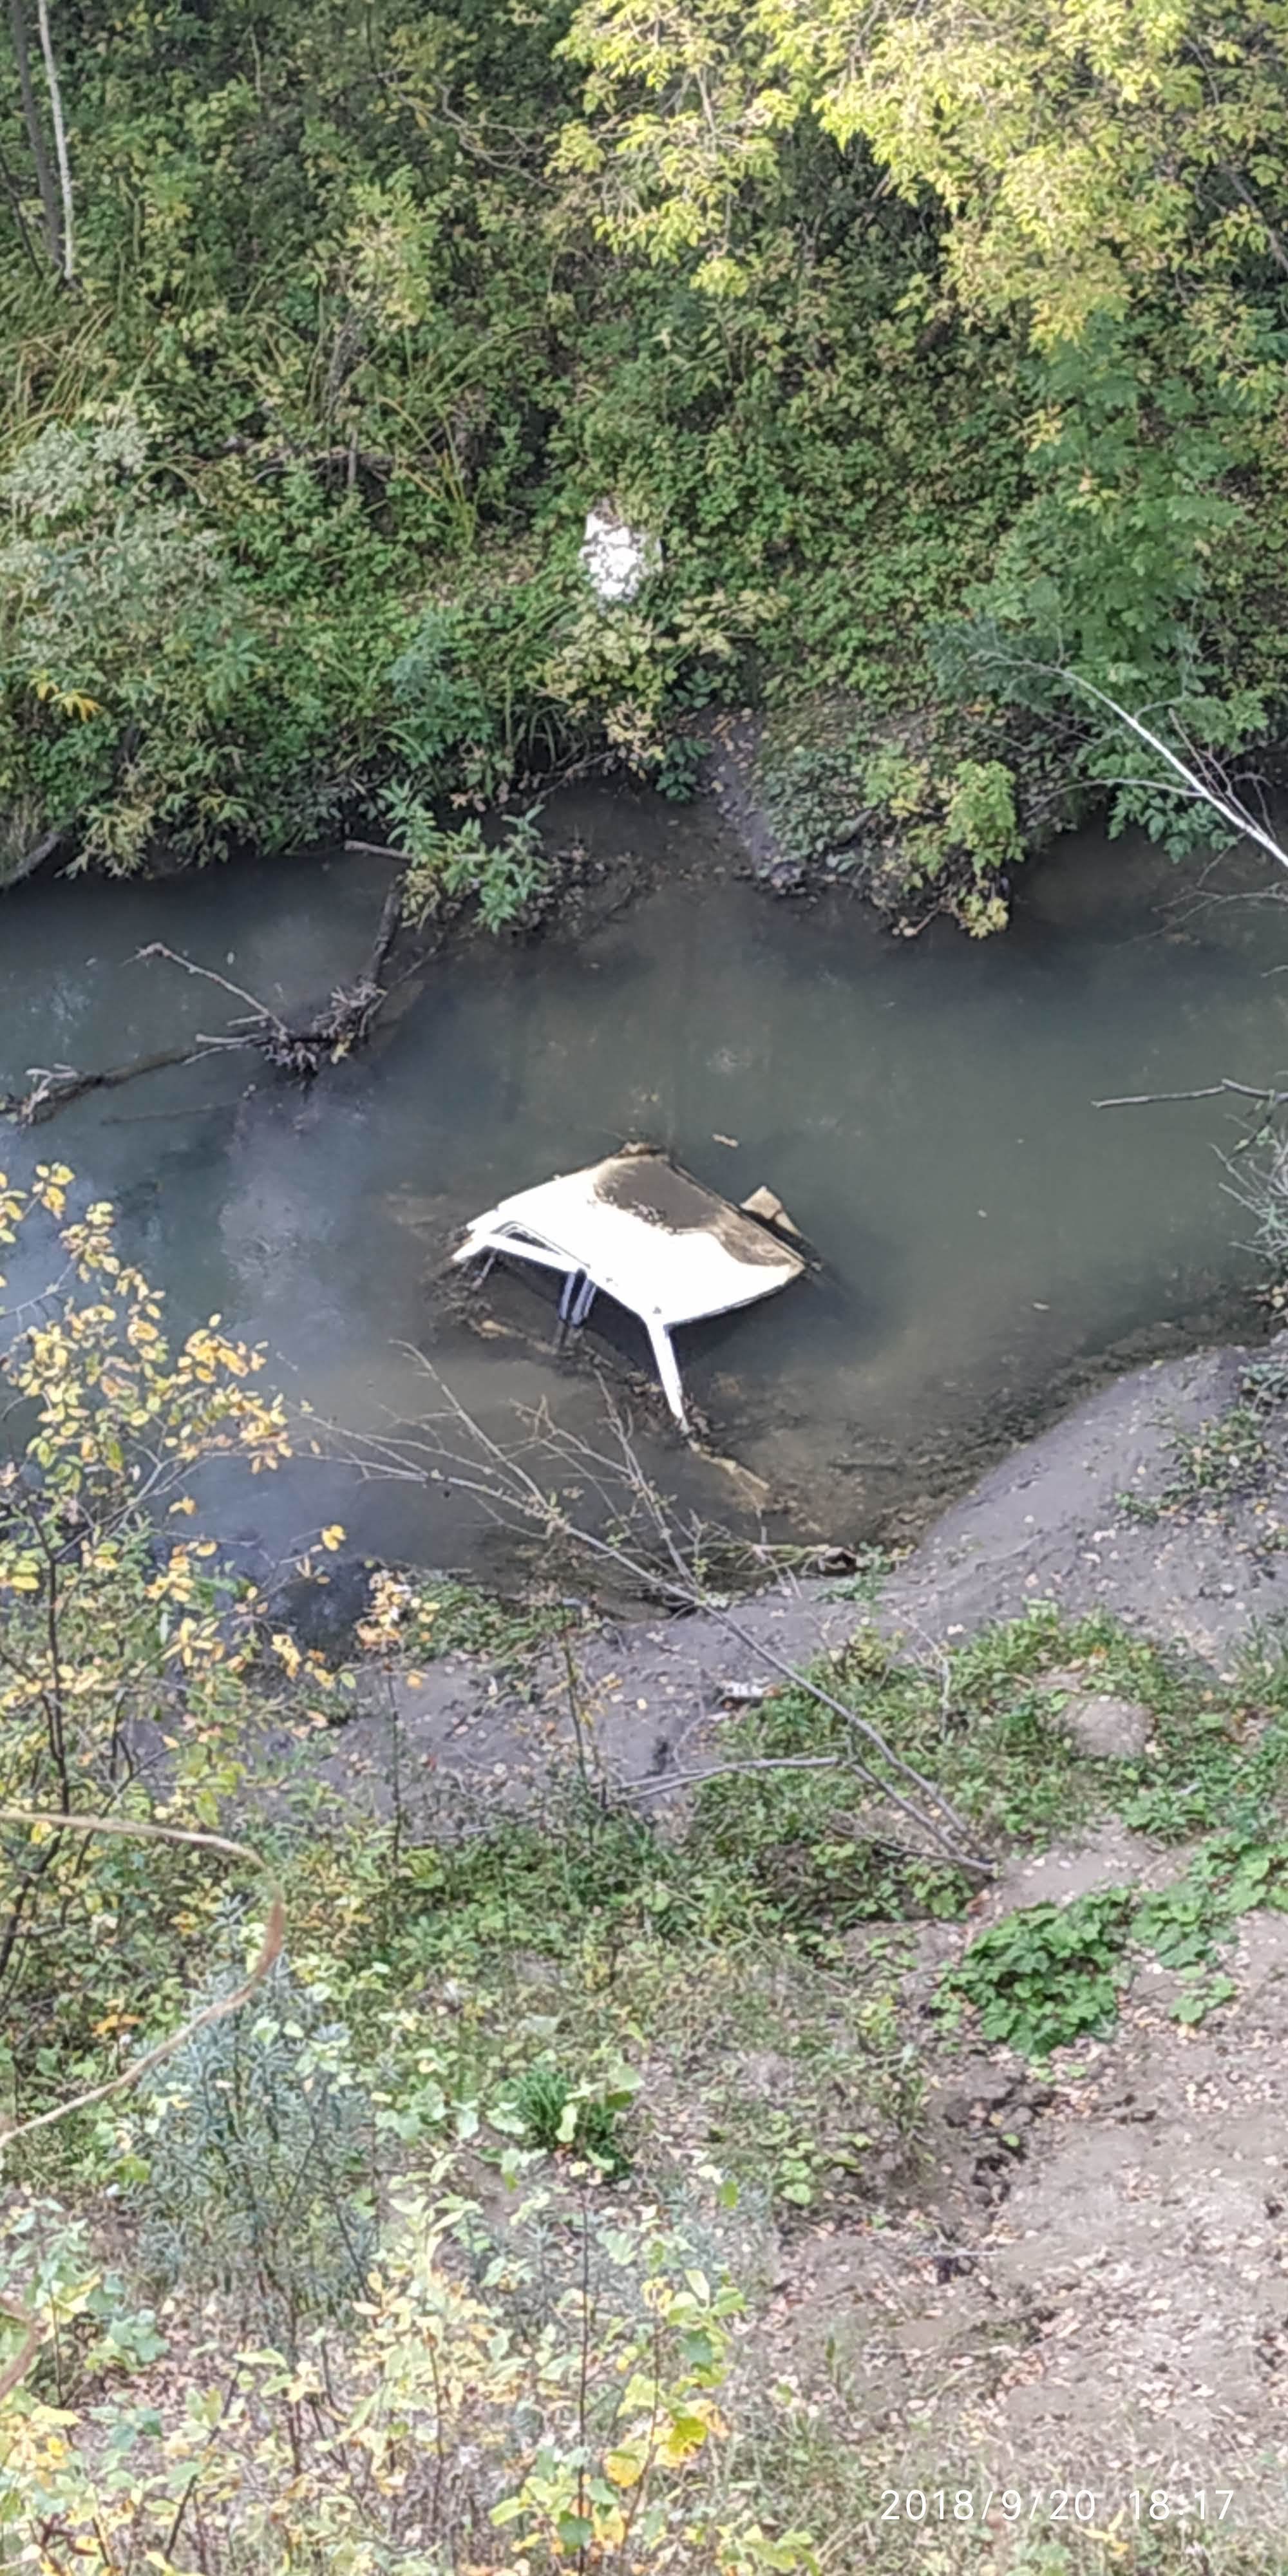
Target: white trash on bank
x: 639, y: 1229
x: 615, y: 558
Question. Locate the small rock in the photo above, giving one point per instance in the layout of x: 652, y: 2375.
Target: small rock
x: 1109, y: 1728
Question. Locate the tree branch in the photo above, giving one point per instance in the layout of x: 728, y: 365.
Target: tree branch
x: 1264, y: 1092
x: 270, y: 1950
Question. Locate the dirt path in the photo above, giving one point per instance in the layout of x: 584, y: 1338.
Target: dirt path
x: 1092, y: 2292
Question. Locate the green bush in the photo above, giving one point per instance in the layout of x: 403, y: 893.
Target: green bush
x: 555, y: 2113
x: 1048, y: 1974
x: 258, y: 2140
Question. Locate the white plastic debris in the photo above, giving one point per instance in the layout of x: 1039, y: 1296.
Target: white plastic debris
x: 615, y: 558
x: 646, y: 1233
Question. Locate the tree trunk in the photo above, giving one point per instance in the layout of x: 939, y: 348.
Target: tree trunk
x: 60, y: 137
x: 51, y: 225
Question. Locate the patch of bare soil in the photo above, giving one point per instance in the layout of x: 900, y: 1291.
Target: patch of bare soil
x: 1092, y: 2289
x: 1065, y: 1519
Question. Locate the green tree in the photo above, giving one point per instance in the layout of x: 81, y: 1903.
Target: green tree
x: 125, y: 646
x: 123, y: 1644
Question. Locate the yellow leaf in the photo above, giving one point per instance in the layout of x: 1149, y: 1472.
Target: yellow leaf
x: 625, y: 2468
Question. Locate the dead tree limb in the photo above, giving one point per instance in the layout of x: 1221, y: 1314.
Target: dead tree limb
x: 515, y: 1497
x: 270, y: 1949
x: 53, y: 1086
x: 31, y: 118
x: 1264, y: 1093
x: 60, y: 139
x: 343, y: 1023
x: 657, y: 1783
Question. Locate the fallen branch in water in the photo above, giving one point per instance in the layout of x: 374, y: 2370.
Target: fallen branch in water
x: 1264, y: 1092
x: 53, y: 1086
x: 376, y: 850
x: 343, y: 1023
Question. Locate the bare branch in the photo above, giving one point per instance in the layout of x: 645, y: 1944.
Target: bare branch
x: 657, y: 1785
x: 506, y: 1488
x: 157, y: 948
x: 269, y: 1950
x: 35, y: 132
x: 1263, y: 1092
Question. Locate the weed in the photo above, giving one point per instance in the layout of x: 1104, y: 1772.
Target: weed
x: 1222, y: 1459
x: 1201, y: 1993
x: 257, y: 2154
x: 423, y: 1617
x: 48, y: 2265
x: 1264, y: 1382
x: 1048, y: 1974
x: 508, y: 877
x: 872, y: 1566
x: 848, y: 2483
x: 679, y: 772
x: 555, y: 2113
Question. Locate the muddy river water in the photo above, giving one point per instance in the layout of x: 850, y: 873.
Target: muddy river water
x: 991, y: 1241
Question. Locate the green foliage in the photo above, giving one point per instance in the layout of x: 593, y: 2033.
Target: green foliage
x: 119, y: 1625
x: 257, y: 2145
x: 508, y: 878
x: 958, y: 353
x: 94, y: 2328
x: 1106, y: 576
x: 128, y: 656
x: 1222, y: 1458
x: 1048, y: 1974
x: 957, y: 829
x: 555, y: 2114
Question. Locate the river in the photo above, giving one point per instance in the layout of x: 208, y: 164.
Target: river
x: 991, y: 1242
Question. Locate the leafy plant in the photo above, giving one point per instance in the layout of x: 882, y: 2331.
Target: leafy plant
x: 124, y: 1646
x: 1224, y: 1457
x: 507, y: 877
x: 128, y: 648
x: 1048, y: 1974
x: 93, y: 2329
x: 556, y: 2113
x: 258, y: 2144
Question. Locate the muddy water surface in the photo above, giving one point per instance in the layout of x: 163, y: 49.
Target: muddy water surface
x: 924, y: 1107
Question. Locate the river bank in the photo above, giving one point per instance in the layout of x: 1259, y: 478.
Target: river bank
x: 892, y: 1965
x: 976, y: 2262
x: 1104, y: 1513
x: 1072, y: 2281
